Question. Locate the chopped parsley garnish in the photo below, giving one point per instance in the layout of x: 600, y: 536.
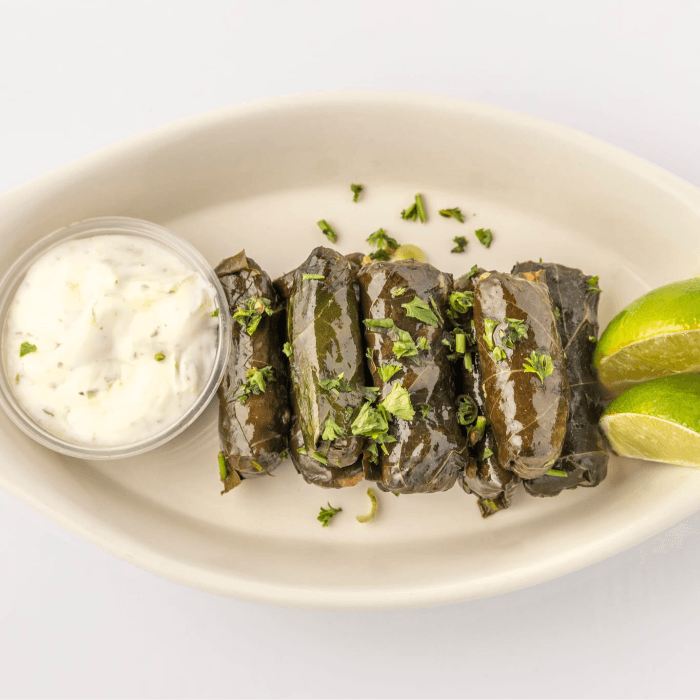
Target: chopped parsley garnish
x: 370, y: 422
x: 516, y: 330
x: 415, y: 211
x: 420, y: 310
x: 460, y: 303
x: 557, y: 472
x: 25, y: 348
x: 461, y: 246
x: 404, y: 346
x: 489, y: 328
x: 287, y: 349
x: 327, y: 514
x: 471, y: 273
x: 593, y: 284
x: 467, y: 411
x: 425, y: 409
x: 485, y: 236
x: 386, y: 245
x: 487, y: 453
x: 455, y: 213
x: 539, y: 364
x: 398, y: 403
x: 335, y: 385
x: 256, y: 383
x: 379, y: 323
x: 332, y: 430
x: 327, y: 231
x: 398, y: 291
x: 373, y: 510
x: 251, y: 311
x: 381, y: 239
x: 223, y: 469
x: 307, y: 276
x: 159, y: 356
x: 356, y: 189
x: 215, y: 313
x: 369, y: 392
x: 387, y: 371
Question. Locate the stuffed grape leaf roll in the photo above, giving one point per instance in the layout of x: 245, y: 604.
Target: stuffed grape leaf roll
x: 315, y: 471
x: 254, y: 412
x: 524, y: 377
x: 584, y: 459
x: 417, y: 445
x: 326, y: 355
x: 484, y: 475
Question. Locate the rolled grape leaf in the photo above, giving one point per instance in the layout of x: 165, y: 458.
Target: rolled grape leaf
x: 312, y: 467
x: 423, y: 448
x: 326, y: 355
x: 584, y: 458
x: 526, y: 393
x: 253, y: 421
x: 484, y: 475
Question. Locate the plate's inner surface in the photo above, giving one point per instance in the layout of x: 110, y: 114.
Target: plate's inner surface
x: 261, y: 182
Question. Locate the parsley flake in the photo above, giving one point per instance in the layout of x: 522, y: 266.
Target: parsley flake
x: 332, y: 431
x: 327, y: 514
x: 25, y: 348
x: 454, y: 213
x: 593, y: 284
x: 387, y: 371
x: 256, y: 383
x: 398, y: 402
x: 327, y: 230
x: 461, y: 246
x: 420, y: 310
x: 250, y: 312
x: 539, y: 364
x: 485, y: 236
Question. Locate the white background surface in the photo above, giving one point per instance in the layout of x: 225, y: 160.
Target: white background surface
x: 76, y: 76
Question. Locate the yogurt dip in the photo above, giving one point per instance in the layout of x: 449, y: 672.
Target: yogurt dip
x: 110, y: 339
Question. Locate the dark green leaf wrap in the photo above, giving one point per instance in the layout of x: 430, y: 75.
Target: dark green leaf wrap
x: 484, y: 475
x: 323, y: 329
x: 527, y: 414
x: 317, y: 473
x: 429, y: 451
x: 584, y: 457
x: 253, y: 433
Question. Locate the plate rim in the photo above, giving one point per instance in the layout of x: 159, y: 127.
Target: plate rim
x: 185, y: 573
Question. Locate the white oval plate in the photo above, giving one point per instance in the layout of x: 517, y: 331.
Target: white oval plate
x: 259, y: 177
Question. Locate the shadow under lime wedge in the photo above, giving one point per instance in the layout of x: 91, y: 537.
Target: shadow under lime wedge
x: 658, y: 421
x: 655, y: 336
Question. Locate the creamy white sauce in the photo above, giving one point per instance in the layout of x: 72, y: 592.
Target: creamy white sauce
x: 100, y: 310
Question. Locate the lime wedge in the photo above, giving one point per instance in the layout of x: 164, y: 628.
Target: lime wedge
x: 655, y: 336
x: 658, y: 421
x: 409, y: 252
